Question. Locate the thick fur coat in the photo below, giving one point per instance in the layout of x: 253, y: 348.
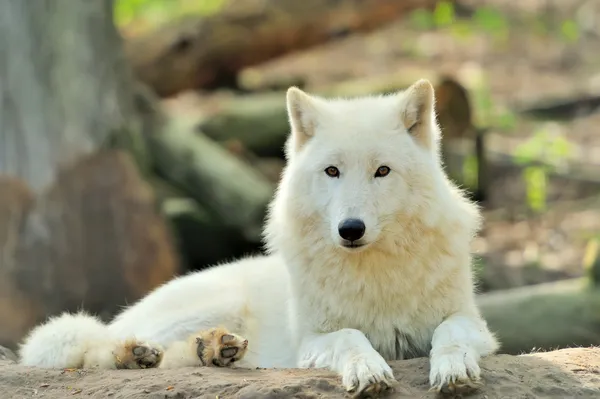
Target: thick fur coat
x: 369, y: 257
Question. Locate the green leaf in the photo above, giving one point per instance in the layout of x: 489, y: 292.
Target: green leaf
x: 421, y: 19
x: 536, y: 180
x: 443, y: 15
x: 570, y: 31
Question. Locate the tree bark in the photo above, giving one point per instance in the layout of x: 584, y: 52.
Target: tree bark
x: 90, y: 235
x: 64, y: 84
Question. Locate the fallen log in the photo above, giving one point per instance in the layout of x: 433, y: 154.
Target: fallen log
x: 544, y: 317
x: 219, y: 181
x: 565, y: 109
x: 194, y: 53
x: 260, y: 121
x: 202, y: 237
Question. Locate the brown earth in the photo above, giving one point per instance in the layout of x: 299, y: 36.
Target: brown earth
x: 566, y: 373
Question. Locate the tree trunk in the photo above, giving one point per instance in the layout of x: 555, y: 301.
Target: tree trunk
x: 90, y: 236
x: 64, y: 84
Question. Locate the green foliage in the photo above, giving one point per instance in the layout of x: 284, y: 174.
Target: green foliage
x: 492, y: 22
x: 487, y: 113
x: 483, y: 104
x: 157, y: 11
x: 540, y: 155
x: 462, y: 29
x: 443, y: 15
x: 569, y: 31
x: 536, y: 179
x: 505, y: 120
x: 489, y: 21
x: 544, y: 147
x: 421, y: 19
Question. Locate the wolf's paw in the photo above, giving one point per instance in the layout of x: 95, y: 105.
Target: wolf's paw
x: 367, y: 376
x: 454, y: 370
x: 137, y: 355
x: 220, y: 348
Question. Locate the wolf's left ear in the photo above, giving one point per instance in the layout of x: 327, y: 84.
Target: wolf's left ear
x: 302, y: 114
x: 418, y: 113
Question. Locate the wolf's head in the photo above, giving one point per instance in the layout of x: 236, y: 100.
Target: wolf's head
x: 356, y: 167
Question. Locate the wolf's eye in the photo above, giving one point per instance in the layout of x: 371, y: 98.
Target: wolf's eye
x: 382, y: 171
x: 332, y: 171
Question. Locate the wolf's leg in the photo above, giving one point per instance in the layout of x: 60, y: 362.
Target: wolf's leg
x: 349, y: 353
x: 456, y: 347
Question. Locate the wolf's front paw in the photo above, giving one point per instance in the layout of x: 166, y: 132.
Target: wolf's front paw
x: 137, y: 355
x: 367, y: 376
x: 454, y: 370
x: 220, y: 347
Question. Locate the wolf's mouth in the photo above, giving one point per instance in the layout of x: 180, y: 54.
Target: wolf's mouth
x: 353, y: 244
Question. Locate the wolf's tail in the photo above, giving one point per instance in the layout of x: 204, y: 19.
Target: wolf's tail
x: 62, y: 341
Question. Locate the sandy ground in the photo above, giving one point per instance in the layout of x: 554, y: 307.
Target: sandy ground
x: 567, y: 373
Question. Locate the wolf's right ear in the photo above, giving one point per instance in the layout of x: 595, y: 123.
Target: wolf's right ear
x: 302, y: 115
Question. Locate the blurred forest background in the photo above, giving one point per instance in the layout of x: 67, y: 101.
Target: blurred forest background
x: 142, y: 139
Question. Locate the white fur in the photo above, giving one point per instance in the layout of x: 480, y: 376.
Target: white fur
x: 70, y: 341
x: 181, y: 354
x: 314, y: 303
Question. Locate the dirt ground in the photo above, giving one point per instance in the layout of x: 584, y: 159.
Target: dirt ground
x: 567, y: 373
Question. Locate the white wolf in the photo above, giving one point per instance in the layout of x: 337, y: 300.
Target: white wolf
x: 369, y: 258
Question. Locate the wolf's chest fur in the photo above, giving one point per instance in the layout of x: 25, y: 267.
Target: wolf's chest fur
x: 397, y: 316
x: 395, y: 333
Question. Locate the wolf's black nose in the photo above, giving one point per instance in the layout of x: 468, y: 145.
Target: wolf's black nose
x: 351, y: 229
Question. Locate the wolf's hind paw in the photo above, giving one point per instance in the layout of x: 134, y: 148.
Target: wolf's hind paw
x: 220, y: 348
x: 138, y: 355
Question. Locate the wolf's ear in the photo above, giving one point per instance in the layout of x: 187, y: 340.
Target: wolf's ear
x: 302, y: 114
x: 418, y: 113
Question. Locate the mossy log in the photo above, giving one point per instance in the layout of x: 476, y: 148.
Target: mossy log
x: 260, y: 122
x: 219, y: 181
x: 565, y: 109
x: 202, y: 237
x: 193, y: 52
x: 545, y: 316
